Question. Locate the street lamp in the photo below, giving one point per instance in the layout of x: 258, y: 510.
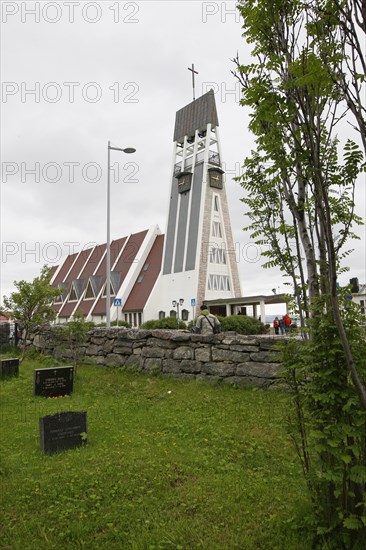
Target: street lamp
x: 177, y: 303
x: 108, y: 266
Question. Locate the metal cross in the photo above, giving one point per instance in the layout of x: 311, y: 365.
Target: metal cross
x: 193, y: 73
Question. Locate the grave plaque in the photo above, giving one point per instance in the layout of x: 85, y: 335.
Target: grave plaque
x: 53, y: 382
x: 9, y: 367
x: 63, y: 431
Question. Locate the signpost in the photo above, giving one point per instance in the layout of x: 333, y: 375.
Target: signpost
x: 118, y: 303
x: 193, y: 304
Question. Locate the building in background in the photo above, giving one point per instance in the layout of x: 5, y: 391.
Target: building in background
x: 154, y: 275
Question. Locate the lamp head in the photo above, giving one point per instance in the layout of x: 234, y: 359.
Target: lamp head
x: 129, y: 150
x: 181, y: 301
x: 174, y: 303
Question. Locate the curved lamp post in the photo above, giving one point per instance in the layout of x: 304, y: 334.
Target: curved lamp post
x: 108, y: 263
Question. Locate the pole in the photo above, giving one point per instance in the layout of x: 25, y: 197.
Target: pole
x: 108, y: 257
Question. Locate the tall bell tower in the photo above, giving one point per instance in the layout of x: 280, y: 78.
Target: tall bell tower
x: 199, y: 261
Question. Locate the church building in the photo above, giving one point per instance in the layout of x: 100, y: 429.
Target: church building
x: 155, y: 275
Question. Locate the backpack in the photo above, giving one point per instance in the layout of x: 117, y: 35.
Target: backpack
x: 216, y: 329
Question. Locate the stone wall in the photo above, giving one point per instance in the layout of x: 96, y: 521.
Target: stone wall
x: 227, y: 357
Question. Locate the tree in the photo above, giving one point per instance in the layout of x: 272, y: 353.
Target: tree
x: 300, y: 183
x: 77, y: 332
x: 31, y: 304
x: 338, y: 27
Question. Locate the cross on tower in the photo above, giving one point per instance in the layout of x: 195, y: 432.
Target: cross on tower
x: 193, y: 73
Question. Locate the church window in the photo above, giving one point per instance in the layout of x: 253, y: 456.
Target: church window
x: 89, y: 294
x: 105, y: 291
x: 216, y: 203
x: 140, y: 279
x: 217, y: 255
x: 216, y: 229
x: 218, y: 282
x: 73, y: 297
x: 161, y: 314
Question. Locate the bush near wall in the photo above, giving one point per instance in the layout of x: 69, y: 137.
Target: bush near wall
x: 166, y: 323
x: 242, y: 324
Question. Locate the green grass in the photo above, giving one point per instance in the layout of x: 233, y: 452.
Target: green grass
x: 169, y: 464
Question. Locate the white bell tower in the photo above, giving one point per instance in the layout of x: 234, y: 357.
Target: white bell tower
x: 199, y: 260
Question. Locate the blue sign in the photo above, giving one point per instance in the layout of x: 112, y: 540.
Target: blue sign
x: 117, y: 302
x: 348, y: 297
x: 193, y: 302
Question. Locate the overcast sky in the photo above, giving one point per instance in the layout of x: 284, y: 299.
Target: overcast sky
x: 77, y: 74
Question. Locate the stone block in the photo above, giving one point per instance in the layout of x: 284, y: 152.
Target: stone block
x: 170, y: 365
x: 98, y: 340
x: 180, y: 336
x: 234, y: 339
x: 260, y: 370
x: 152, y: 352
x: 218, y: 369
x: 152, y: 365
x: 183, y: 352
x: 219, y: 354
x: 114, y: 360
x: 134, y: 362
x: 269, y: 343
x: 138, y: 334
x: 190, y: 366
x: 265, y: 357
x: 161, y: 343
x: 244, y: 348
x: 122, y: 350
x: 202, y: 354
x: 108, y: 346
x: 94, y: 350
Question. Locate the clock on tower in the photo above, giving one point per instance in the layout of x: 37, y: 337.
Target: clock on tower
x: 184, y: 181
x: 215, y: 177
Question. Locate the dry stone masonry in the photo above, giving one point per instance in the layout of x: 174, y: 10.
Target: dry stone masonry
x: 228, y: 357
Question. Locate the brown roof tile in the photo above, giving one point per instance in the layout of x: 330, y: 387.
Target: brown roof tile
x: 141, y: 290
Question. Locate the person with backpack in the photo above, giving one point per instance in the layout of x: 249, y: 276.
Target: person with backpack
x: 207, y: 323
x: 276, y: 325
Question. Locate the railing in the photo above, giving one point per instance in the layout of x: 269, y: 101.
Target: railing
x: 213, y: 158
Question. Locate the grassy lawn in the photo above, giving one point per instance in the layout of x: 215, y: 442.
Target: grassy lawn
x: 170, y: 464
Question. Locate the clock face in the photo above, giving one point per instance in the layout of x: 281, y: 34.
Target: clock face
x: 184, y: 182
x: 215, y: 179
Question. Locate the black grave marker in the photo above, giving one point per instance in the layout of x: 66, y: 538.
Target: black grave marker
x: 63, y: 431
x: 9, y: 367
x: 53, y: 382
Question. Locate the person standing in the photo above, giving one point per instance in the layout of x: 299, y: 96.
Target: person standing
x: 207, y: 323
x: 287, y: 321
x: 276, y: 325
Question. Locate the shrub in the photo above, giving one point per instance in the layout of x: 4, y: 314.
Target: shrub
x: 167, y: 323
x: 242, y: 324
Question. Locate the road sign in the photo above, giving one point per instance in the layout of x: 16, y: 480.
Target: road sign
x: 193, y: 302
x: 117, y: 302
x: 348, y: 297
